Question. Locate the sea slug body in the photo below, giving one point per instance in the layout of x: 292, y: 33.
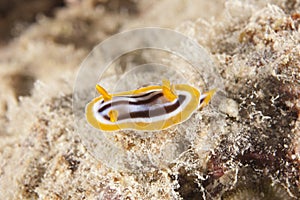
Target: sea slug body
x: 150, y: 108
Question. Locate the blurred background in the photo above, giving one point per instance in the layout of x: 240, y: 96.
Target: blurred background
x: 43, y: 39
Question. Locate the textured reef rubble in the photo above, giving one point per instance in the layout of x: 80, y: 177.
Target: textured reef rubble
x: 252, y: 153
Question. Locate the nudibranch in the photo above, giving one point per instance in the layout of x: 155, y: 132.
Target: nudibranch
x: 149, y: 108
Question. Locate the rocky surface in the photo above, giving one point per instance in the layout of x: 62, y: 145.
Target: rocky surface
x: 253, y: 153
